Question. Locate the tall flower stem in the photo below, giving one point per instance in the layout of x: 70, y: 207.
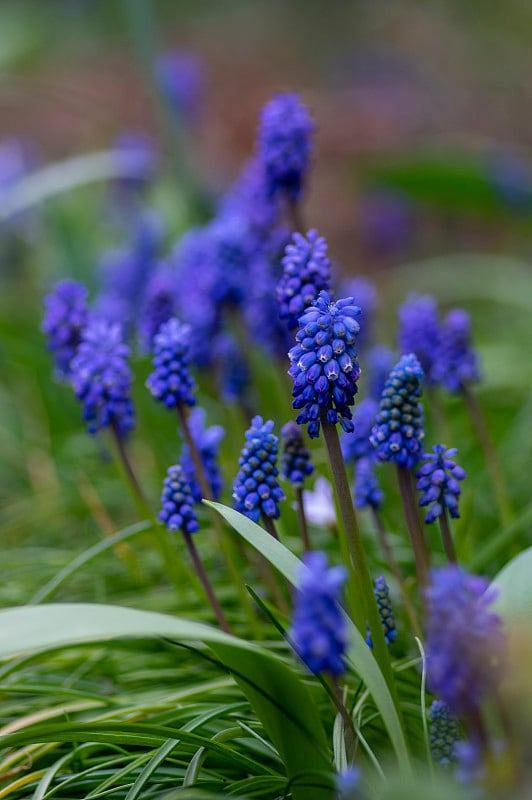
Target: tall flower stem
x: 207, y: 586
x: 269, y: 524
x: 302, y: 519
x: 396, y: 571
x: 350, y: 736
x: 493, y: 466
x: 417, y: 537
x: 226, y: 545
x: 177, y: 576
x: 447, y: 537
x: 365, y: 609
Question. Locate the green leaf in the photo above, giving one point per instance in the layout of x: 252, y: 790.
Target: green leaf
x: 514, y: 602
x: 359, y: 656
x: 280, y: 699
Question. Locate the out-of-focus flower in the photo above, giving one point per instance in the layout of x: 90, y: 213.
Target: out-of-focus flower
x: 457, y: 363
x: 101, y: 378
x: 181, y: 77
x: 295, y: 458
x: 398, y: 431
x: 284, y: 144
x: 465, y: 644
x: 438, y: 482
x: 306, y: 271
x: 177, y: 502
x: 420, y: 331
x: 386, y: 222
x: 367, y: 490
x: 256, y: 488
x: 319, y: 629
x: 319, y: 503
x: 65, y: 317
x: 158, y: 304
x: 356, y: 444
x: 379, y: 360
x: 171, y: 382
x: 443, y: 730
x: 323, y: 363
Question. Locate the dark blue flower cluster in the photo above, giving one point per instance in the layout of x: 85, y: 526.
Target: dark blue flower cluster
x: 319, y: 628
x: 101, y: 378
x: 398, y: 430
x: 284, y: 143
x: 438, y: 482
x: 295, y: 458
x: 177, y: 502
x: 443, y: 730
x: 420, y: 331
x: 65, y: 318
x: 306, y: 271
x: 457, y: 362
x: 367, y: 492
x: 158, y: 306
x: 382, y: 595
x: 465, y: 645
x: 356, y: 444
x: 256, y: 488
x: 171, y: 382
x: 323, y: 363
x: 207, y: 441
x: 232, y: 372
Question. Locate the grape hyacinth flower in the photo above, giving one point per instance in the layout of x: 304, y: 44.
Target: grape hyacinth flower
x: 443, y: 730
x: 382, y: 595
x: 438, y: 482
x: 356, y: 444
x: 319, y: 503
x: 177, y: 502
x: 348, y: 784
x: 207, y: 441
x: 180, y: 76
x: 398, y: 431
x: 420, y: 331
x: 101, y: 378
x: 159, y: 305
x: 319, y: 629
x: 464, y: 640
x: 171, y: 382
x: 284, y: 144
x: 65, y: 318
x: 368, y: 493
x: 295, y: 459
x: 457, y: 363
x: 233, y: 377
x: 323, y: 364
x: 256, y: 488
x: 306, y: 271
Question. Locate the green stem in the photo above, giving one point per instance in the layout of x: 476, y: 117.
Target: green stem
x: 168, y: 553
x: 496, y: 475
x: 205, y: 582
x: 302, y: 519
x: 415, y: 530
x: 350, y: 736
x: 366, y: 610
x: 447, y: 537
x: 226, y: 544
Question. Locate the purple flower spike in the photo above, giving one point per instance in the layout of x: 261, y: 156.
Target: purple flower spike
x: 323, y: 363
x: 101, y: 378
x: 457, y: 362
x: 368, y: 493
x: 284, y: 144
x: 382, y: 596
x: 420, y: 331
x: 256, y: 488
x: 295, y: 460
x: 398, y: 431
x: 438, y: 482
x: 181, y: 77
x: 171, y: 382
x: 65, y: 318
x: 306, y: 271
x: 357, y: 445
x: 319, y: 629
x: 464, y: 639
x: 159, y: 304
x: 177, y: 502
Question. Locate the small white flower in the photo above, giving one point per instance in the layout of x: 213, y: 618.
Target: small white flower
x: 319, y: 503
